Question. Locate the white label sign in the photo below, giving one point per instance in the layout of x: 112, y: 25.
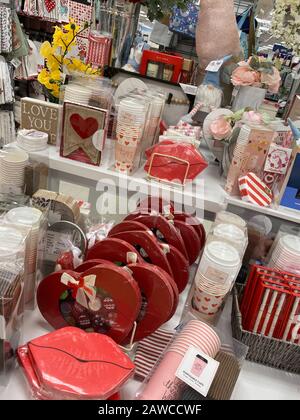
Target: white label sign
x: 197, y: 370
x: 189, y: 89
x: 214, y: 66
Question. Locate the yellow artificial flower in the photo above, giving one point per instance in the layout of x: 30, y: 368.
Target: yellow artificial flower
x: 55, y: 75
x: 55, y: 90
x: 53, y: 62
x: 43, y: 76
x: 72, y: 27
x: 46, y: 49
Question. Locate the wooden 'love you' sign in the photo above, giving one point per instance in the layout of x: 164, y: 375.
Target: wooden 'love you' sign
x: 41, y: 116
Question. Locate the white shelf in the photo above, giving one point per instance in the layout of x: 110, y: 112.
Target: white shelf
x: 280, y: 212
x: 205, y: 191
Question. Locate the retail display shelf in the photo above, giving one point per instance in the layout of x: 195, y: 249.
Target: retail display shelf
x: 204, y: 193
x: 280, y: 212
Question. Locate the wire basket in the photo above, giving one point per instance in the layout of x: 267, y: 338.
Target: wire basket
x: 270, y: 352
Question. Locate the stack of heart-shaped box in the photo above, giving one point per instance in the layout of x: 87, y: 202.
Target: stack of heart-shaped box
x: 69, y: 364
x: 134, y: 275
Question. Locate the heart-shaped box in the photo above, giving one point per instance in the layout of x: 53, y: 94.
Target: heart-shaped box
x: 72, y: 364
x: 116, y: 304
x: 190, y: 238
x: 115, y: 250
x: 162, y: 228
x: 148, y: 246
x: 158, y: 298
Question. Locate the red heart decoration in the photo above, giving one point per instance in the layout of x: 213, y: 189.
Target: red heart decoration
x: 126, y: 142
x: 207, y: 299
x: 198, y: 299
x: 50, y: 5
x: 204, y: 308
x: 84, y: 127
x: 118, y: 292
x: 214, y: 305
x: 97, y: 364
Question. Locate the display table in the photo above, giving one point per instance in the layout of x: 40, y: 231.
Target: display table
x: 256, y: 382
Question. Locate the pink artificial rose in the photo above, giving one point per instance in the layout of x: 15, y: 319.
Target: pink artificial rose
x: 252, y: 117
x: 220, y: 129
x: 272, y: 81
x: 245, y: 76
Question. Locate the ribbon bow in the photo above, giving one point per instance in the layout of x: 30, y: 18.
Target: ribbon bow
x: 83, y: 290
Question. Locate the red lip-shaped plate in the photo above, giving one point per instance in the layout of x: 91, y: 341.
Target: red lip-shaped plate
x: 159, y: 295
x: 114, y: 250
x: 38, y: 392
x: 72, y: 362
x: 148, y: 242
x: 161, y: 224
x: 118, y: 292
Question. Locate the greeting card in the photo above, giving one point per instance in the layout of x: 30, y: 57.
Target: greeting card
x: 83, y: 133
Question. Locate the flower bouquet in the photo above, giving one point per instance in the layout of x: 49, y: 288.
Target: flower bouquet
x: 59, y: 60
x: 253, y: 78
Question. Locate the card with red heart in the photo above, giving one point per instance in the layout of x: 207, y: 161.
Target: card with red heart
x: 83, y: 133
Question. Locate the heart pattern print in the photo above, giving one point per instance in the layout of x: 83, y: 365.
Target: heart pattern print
x: 206, y: 303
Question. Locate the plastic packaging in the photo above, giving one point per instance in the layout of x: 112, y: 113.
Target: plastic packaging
x: 43, y: 360
x: 11, y: 314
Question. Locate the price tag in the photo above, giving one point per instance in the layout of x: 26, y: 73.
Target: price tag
x: 16, y: 62
x: 197, y: 370
x: 215, y: 65
x: 189, y: 89
x: 2, y: 328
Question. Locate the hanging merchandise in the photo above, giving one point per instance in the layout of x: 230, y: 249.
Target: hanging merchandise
x: 185, y: 21
x: 99, y: 49
x: 161, y: 34
x: 216, y: 34
x: 6, y: 89
x: 6, y: 29
x: 244, y: 36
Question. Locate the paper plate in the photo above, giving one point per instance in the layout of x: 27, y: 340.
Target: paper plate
x: 127, y: 86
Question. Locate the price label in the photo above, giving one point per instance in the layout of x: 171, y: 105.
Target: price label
x: 197, y: 370
x: 215, y: 65
x: 189, y: 89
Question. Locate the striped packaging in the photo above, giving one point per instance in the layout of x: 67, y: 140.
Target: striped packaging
x: 254, y: 190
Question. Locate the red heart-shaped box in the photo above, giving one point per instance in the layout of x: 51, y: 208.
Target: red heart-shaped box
x: 147, y: 242
x: 195, y: 223
x: 190, y: 238
x: 72, y: 363
x: 159, y: 298
x: 162, y: 227
x: 114, y: 250
x: 117, y: 291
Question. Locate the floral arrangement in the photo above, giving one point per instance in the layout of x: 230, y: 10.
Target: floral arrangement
x: 59, y: 61
x: 257, y: 71
x: 286, y: 23
x: 222, y: 128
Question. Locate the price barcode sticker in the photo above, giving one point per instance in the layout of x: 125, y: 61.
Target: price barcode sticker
x: 215, y: 65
